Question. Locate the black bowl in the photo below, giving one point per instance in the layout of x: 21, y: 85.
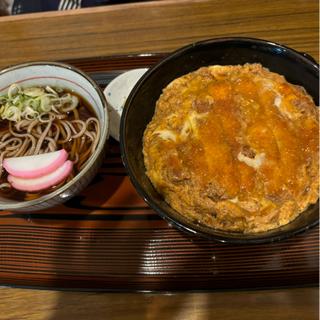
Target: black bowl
x: 298, y: 68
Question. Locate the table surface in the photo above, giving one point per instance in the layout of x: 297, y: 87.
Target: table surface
x: 158, y: 26
x: 285, y: 304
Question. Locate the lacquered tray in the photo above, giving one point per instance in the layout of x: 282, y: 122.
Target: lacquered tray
x: 107, y: 238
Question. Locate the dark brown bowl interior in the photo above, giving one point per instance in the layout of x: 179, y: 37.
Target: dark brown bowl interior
x: 298, y: 68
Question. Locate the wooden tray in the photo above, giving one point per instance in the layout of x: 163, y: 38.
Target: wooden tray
x: 107, y: 238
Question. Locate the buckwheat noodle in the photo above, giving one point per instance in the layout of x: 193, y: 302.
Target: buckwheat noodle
x: 59, y: 128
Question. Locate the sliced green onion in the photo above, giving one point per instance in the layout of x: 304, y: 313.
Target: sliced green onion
x: 34, y: 102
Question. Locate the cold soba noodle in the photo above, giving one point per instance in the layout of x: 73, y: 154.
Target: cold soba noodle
x: 39, y: 120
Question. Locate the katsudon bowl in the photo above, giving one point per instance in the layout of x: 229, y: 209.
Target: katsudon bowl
x: 298, y: 68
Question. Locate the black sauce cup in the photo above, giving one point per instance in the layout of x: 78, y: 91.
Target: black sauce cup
x: 298, y: 68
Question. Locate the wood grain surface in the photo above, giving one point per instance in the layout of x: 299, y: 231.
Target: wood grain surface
x: 280, y: 304
x: 156, y: 26
x: 159, y: 27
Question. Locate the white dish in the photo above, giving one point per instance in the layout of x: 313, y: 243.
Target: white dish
x: 116, y: 93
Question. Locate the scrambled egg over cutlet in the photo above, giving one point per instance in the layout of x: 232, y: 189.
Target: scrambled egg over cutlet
x: 234, y: 148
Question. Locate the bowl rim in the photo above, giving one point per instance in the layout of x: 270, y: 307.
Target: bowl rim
x: 257, y: 238
x: 100, y: 147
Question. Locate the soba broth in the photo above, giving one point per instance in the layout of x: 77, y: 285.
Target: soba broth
x: 79, y: 148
